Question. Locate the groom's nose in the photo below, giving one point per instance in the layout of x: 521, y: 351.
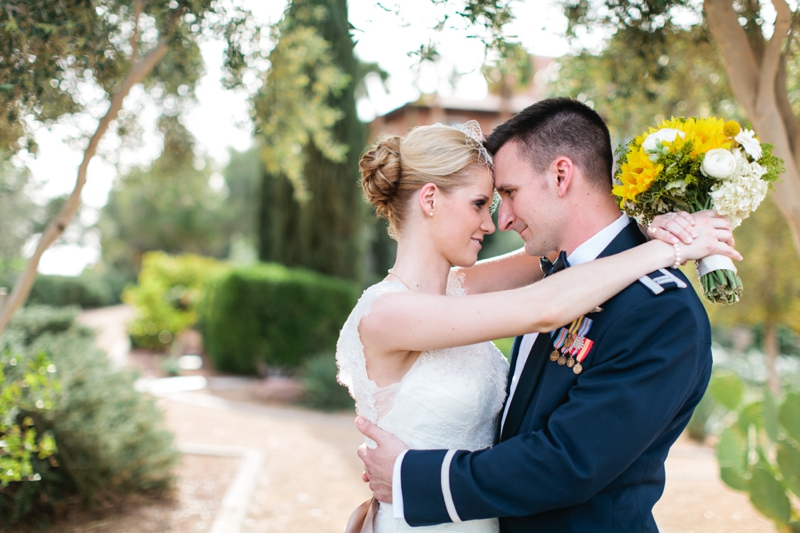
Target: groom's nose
x: 505, y: 217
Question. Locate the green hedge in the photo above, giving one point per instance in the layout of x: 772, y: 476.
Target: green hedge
x: 109, y: 438
x: 275, y: 315
x: 321, y: 390
x: 169, y: 291
x: 87, y: 290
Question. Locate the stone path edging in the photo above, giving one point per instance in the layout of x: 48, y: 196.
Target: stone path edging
x: 236, y: 501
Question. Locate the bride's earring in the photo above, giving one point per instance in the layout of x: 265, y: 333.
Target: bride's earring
x: 431, y: 213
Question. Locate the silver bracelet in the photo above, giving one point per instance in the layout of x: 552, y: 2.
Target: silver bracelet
x: 677, y: 255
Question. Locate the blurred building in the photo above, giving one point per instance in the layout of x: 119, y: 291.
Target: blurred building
x: 506, y: 98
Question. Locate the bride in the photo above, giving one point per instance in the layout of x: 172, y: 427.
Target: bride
x: 414, y: 352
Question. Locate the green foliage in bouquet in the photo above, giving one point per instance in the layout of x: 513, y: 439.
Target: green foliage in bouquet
x: 759, y: 449
x: 168, y: 295
x: 275, y: 315
x: 110, y: 440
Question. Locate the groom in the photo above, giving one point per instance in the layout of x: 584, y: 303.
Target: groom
x: 581, y: 446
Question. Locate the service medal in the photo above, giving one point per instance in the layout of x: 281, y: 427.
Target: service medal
x: 562, y: 360
x: 587, y: 346
x: 570, y: 362
x: 579, y: 342
x: 557, y: 342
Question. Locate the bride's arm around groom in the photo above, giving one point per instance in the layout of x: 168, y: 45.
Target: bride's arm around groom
x: 579, y: 450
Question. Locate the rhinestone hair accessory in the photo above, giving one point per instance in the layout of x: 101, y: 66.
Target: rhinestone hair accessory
x: 496, y: 201
x: 472, y: 130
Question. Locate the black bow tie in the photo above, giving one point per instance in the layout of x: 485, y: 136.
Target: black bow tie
x: 549, y: 267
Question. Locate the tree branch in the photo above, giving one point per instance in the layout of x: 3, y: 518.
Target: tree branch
x: 740, y: 62
x: 774, y: 52
x: 57, y: 226
x: 137, y: 13
x: 784, y: 106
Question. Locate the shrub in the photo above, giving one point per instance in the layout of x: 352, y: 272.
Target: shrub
x: 759, y: 448
x: 275, y: 315
x: 109, y: 438
x: 320, y: 388
x: 86, y: 290
x: 167, y: 296
x: 35, y: 320
x: 32, y: 388
x: 697, y: 429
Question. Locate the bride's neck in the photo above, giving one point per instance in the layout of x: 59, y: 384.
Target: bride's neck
x: 421, y: 267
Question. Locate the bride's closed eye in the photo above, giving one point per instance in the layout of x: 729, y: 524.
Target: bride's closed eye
x: 481, y: 203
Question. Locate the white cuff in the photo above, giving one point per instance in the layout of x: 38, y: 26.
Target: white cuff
x: 397, y: 488
x: 446, y: 494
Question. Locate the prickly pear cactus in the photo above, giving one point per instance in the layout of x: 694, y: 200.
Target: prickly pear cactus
x: 759, y: 448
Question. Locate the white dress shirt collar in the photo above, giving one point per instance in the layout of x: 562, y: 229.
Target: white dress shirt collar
x: 589, y: 250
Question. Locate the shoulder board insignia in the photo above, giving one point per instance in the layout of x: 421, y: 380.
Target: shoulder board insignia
x: 662, y: 280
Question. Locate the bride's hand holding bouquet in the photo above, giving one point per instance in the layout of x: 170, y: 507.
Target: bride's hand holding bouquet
x: 693, y: 165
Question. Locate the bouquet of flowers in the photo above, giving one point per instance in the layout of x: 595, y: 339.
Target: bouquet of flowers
x: 692, y: 164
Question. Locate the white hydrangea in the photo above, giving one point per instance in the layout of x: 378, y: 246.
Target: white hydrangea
x: 742, y: 193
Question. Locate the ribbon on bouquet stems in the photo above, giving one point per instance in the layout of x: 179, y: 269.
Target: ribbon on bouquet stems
x: 721, y: 284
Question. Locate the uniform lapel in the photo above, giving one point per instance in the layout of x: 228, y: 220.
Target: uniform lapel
x: 526, y: 386
x: 511, y: 370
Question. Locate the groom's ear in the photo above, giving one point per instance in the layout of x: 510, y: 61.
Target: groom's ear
x: 564, y: 170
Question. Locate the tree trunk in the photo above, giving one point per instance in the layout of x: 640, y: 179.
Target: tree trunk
x: 23, y: 285
x: 770, y: 347
x: 754, y: 83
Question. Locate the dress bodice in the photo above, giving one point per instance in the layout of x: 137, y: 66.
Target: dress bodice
x: 449, y: 399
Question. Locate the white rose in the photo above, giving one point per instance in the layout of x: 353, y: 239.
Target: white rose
x: 747, y: 138
x: 650, y: 143
x: 718, y: 163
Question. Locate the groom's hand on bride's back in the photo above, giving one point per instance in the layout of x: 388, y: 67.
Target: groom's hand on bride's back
x: 379, y: 462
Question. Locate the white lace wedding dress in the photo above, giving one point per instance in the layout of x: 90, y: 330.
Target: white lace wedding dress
x: 448, y: 399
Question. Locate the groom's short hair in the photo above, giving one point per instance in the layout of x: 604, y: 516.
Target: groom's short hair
x: 560, y: 127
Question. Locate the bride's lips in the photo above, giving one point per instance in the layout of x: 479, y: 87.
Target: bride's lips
x: 478, y: 242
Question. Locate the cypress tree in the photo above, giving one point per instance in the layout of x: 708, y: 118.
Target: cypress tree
x: 322, y: 231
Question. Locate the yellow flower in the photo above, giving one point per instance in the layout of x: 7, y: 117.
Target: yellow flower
x: 731, y: 128
x: 636, y: 176
x: 705, y: 134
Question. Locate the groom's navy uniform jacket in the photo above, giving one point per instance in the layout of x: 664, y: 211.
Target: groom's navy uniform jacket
x: 582, y: 452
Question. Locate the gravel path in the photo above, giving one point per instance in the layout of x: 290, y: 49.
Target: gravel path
x: 311, y: 480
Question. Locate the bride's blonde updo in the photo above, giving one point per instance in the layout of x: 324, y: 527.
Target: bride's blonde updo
x: 397, y: 166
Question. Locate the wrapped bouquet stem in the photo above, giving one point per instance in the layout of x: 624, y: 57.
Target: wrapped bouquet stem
x: 718, y: 277
x: 692, y: 164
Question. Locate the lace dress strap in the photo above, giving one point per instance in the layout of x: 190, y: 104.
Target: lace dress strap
x: 455, y: 283
x: 350, y: 353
